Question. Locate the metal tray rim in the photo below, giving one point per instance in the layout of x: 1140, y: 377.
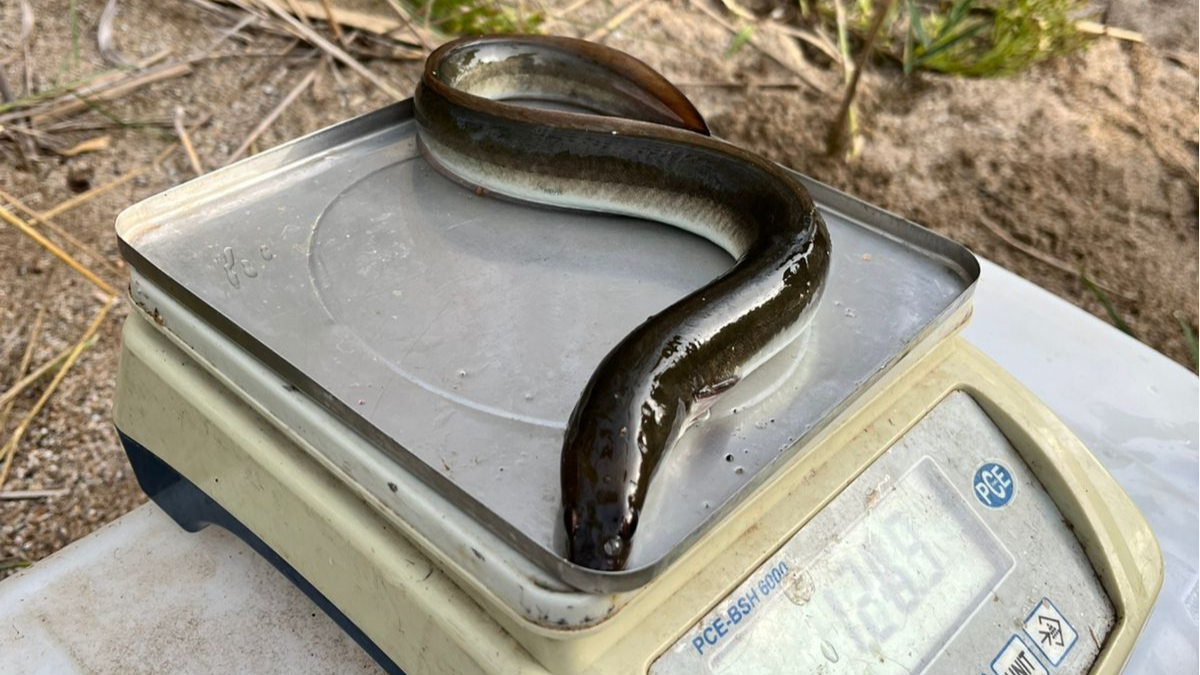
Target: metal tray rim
x: 139, y: 219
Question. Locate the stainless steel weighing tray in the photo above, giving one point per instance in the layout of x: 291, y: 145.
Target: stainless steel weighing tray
x: 455, y: 332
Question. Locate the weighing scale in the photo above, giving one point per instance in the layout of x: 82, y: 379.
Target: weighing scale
x: 364, y: 371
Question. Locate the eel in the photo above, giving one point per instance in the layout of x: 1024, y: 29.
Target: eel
x: 641, y: 150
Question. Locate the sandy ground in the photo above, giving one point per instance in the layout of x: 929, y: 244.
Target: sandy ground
x: 1091, y: 160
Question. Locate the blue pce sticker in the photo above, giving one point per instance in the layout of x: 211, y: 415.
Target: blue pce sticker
x: 993, y: 485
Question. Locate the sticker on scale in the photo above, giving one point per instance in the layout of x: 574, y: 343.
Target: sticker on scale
x: 993, y: 485
x: 1017, y: 659
x: 1047, y: 628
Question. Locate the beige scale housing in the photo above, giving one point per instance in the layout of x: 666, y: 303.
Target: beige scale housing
x: 369, y: 368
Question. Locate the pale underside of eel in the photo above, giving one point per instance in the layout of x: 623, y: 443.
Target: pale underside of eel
x: 644, y: 152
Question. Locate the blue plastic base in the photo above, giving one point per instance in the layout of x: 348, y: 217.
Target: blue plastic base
x: 193, y: 511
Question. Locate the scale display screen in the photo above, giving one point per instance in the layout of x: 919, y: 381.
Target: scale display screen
x: 945, y: 555
x: 890, y: 591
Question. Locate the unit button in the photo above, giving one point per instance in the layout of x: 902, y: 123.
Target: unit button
x: 1017, y: 659
x: 1047, y: 628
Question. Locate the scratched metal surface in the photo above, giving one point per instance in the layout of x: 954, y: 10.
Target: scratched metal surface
x: 455, y: 332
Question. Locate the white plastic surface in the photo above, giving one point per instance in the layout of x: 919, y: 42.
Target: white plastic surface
x: 142, y: 596
x: 1136, y: 410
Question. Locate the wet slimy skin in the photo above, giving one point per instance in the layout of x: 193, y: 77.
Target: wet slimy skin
x: 644, y: 152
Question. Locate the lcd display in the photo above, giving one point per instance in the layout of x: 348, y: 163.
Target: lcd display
x: 884, y: 596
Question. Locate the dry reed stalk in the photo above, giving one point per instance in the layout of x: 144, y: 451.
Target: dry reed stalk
x: 186, y: 140
x: 837, y: 138
x: 10, y: 448
x: 720, y: 21
x: 333, y: 23
x: 67, y: 236
x: 81, y: 101
x: 616, y: 20
x: 10, y: 395
x: 50, y: 246
x: 26, y: 358
x: 274, y: 115
x: 422, y: 35
x: 314, y: 38
x: 33, y: 494
x: 1050, y: 260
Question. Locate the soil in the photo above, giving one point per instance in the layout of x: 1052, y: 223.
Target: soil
x: 1091, y: 160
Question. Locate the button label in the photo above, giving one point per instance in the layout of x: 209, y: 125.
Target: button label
x: 1047, y: 628
x: 1017, y: 659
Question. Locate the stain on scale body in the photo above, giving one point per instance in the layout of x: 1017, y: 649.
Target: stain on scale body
x: 646, y: 153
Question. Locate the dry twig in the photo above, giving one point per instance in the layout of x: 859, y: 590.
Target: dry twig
x: 27, y: 24
x: 82, y: 101
x: 10, y: 448
x: 1094, y: 28
x: 27, y: 357
x: 33, y: 494
x: 730, y: 84
x: 104, y: 35
x: 166, y: 152
x: 421, y: 34
x: 25, y: 144
x: 102, y: 124
x: 11, y: 394
x: 720, y: 20
x: 66, y: 236
x: 83, y: 197
x: 569, y: 9
x: 352, y: 18
x: 62, y: 255
x: 93, y: 144
x: 186, y: 140
x: 227, y: 14
x: 814, y: 38
x: 314, y: 38
x: 273, y: 115
x: 837, y: 137
x: 89, y: 86
x: 1050, y: 260
x: 333, y: 23
x: 72, y: 202
x: 630, y: 8
x: 737, y: 10
x: 297, y: 13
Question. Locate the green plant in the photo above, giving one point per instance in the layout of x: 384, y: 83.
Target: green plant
x: 922, y: 50
x: 73, y: 18
x: 739, y: 40
x: 1189, y: 339
x: 55, y: 91
x: 1006, y: 38
x: 1109, y: 309
x: 71, y: 58
x: 13, y: 564
x: 979, y: 38
x: 465, y: 17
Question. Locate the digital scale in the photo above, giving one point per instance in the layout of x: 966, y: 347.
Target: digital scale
x: 364, y: 371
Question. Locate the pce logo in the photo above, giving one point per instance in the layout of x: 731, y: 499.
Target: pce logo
x: 993, y: 485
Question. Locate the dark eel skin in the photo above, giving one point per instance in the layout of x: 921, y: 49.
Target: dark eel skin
x: 645, y: 152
